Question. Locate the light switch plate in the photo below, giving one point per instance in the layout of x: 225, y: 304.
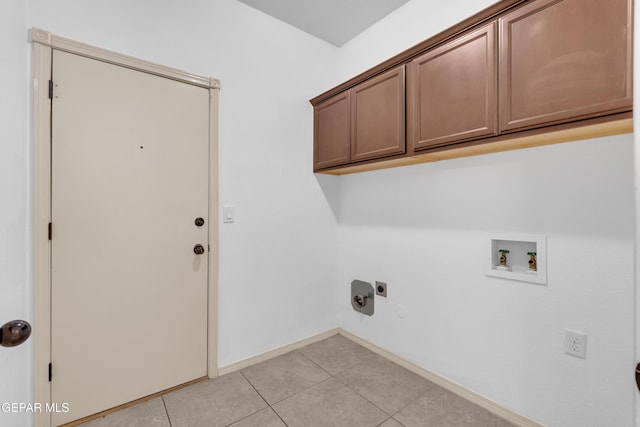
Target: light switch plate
x: 228, y: 214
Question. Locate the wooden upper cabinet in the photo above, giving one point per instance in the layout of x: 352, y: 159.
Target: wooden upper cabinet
x: 511, y: 70
x: 452, y: 91
x: 331, y: 132
x: 378, y: 116
x: 562, y: 60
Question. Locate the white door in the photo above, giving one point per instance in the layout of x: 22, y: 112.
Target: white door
x: 129, y: 178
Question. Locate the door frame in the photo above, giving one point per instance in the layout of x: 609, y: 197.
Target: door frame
x: 636, y: 186
x: 43, y: 44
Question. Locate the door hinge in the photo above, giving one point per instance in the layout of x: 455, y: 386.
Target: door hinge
x: 50, y: 371
x: 50, y: 230
x: 50, y: 89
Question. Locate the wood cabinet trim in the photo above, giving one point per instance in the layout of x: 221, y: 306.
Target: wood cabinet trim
x: 319, y: 164
x: 506, y: 122
x: 399, y: 147
x: 491, y: 102
x: 615, y: 124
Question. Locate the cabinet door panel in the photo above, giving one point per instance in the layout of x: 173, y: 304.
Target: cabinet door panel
x: 377, y: 116
x: 331, y: 132
x: 452, y: 90
x: 564, y: 59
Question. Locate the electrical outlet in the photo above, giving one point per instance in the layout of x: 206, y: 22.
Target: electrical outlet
x: 381, y: 289
x: 575, y: 343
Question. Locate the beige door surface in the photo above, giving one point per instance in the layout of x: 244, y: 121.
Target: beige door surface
x: 129, y: 176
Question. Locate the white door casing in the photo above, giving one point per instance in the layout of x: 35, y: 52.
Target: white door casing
x: 140, y: 297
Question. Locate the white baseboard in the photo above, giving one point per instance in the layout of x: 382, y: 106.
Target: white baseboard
x: 488, y: 404
x: 270, y: 354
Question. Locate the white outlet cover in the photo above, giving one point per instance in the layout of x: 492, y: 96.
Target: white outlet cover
x: 575, y: 343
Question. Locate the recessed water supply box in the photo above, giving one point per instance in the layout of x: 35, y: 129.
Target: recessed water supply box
x: 520, y: 257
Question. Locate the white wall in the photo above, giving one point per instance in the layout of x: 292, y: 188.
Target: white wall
x: 407, y: 26
x: 503, y: 338
x: 423, y: 230
x: 282, y: 248
x: 15, y: 259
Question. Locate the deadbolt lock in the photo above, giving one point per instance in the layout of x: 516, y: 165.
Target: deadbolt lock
x: 198, y: 249
x: 199, y: 221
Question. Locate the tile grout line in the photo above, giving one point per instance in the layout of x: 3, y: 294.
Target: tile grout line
x: 331, y: 376
x: 360, y: 361
x: 262, y: 397
x: 313, y: 361
x: 301, y: 391
x: 390, y: 418
x: 413, y: 401
x: 383, y: 411
x: 253, y: 387
x: 278, y: 415
x: 515, y: 419
x: 342, y: 377
x: 304, y: 389
x: 363, y: 397
x: 346, y: 385
x: 245, y: 417
x: 166, y: 411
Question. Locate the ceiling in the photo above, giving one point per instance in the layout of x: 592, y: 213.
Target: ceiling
x: 335, y: 21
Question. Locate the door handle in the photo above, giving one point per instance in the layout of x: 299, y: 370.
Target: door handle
x: 198, y: 249
x: 14, y: 333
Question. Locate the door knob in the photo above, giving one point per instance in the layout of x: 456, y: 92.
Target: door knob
x: 14, y: 333
x: 198, y: 249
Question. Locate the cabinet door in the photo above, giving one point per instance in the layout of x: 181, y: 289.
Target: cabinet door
x: 331, y: 132
x: 377, y: 116
x: 564, y: 59
x: 452, y: 91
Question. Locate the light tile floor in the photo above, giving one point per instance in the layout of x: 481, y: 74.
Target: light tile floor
x: 334, y: 382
